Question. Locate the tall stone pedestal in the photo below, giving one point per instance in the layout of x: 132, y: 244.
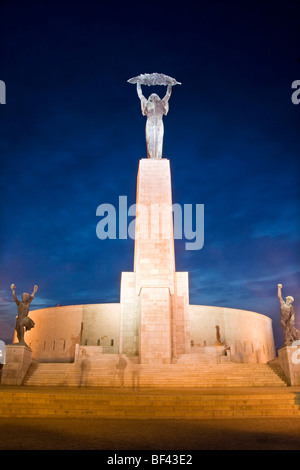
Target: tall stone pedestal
x: 289, y: 359
x: 154, y: 298
x: 18, y: 360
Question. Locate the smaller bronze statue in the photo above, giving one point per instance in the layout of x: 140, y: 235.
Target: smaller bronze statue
x: 23, y: 322
x: 287, y: 321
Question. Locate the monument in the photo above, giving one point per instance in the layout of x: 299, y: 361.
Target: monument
x: 154, y: 298
x: 19, y: 354
x: 287, y: 321
x: 154, y: 324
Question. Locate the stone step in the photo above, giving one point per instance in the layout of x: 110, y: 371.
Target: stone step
x: 78, y: 383
x: 163, y: 384
x: 176, y: 399
x: 101, y: 373
x: 147, y: 406
x: 141, y: 409
x: 153, y: 414
x: 105, y: 364
x: 96, y: 372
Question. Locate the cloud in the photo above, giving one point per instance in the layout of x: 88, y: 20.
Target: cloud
x: 4, y: 302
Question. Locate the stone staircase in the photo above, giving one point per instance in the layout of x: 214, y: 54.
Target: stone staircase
x: 104, y: 373
x: 40, y: 402
x: 98, y: 389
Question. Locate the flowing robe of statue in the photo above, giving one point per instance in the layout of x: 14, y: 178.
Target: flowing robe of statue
x: 154, y: 108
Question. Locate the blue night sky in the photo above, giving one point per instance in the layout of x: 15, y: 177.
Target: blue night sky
x: 72, y: 134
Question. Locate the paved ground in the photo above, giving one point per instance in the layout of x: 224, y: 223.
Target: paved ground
x: 131, y: 434
x: 115, y: 434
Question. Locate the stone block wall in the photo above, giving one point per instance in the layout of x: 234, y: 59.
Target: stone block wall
x: 58, y: 330
x: 129, y: 315
x: 249, y: 334
x: 155, y: 327
x: 289, y: 360
x: 18, y: 360
x: 100, y: 327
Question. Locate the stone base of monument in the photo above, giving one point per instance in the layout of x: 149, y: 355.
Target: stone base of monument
x: 289, y: 359
x: 18, y: 360
x: 205, y: 355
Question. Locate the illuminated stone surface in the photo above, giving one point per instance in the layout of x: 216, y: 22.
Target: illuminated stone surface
x: 289, y: 359
x: 18, y: 360
x: 153, y: 324
x: 154, y: 299
x: 205, y: 404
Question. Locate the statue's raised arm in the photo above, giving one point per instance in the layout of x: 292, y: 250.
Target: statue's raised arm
x: 13, y: 289
x: 139, y: 91
x: 142, y: 98
x: 35, y: 289
x: 168, y: 94
x: 279, y: 287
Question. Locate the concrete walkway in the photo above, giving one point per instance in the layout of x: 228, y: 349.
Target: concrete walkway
x: 120, y: 434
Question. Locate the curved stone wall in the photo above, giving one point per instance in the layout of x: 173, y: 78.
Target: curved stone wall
x: 249, y: 334
x: 58, y: 329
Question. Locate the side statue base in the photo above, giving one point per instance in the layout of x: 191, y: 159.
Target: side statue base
x: 18, y: 360
x: 289, y: 359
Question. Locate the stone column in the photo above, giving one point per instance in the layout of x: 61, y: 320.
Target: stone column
x: 154, y: 257
x: 154, y: 260
x: 154, y: 298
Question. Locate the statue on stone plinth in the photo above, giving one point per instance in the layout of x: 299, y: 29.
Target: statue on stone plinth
x: 287, y: 321
x: 23, y: 322
x: 154, y: 108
